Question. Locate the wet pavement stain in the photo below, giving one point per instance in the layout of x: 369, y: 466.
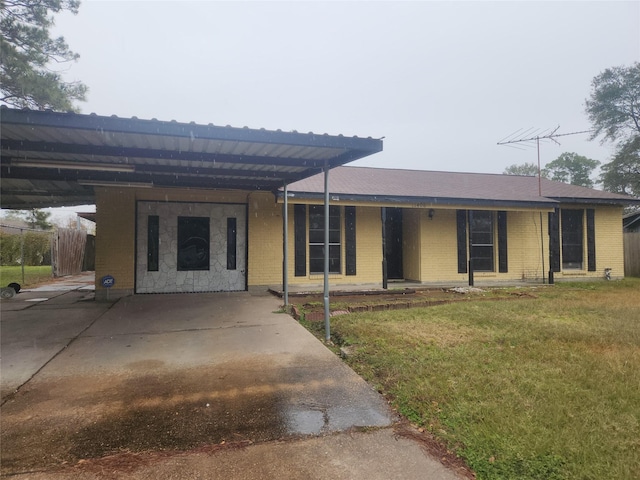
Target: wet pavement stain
x: 68, y: 419
x: 182, y: 427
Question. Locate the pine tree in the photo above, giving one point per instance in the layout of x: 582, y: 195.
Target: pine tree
x: 29, y: 56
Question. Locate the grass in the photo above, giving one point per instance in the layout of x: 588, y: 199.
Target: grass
x: 32, y: 275
x: 540, y: 388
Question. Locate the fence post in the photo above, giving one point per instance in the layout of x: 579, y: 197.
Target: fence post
x: 22, y: 253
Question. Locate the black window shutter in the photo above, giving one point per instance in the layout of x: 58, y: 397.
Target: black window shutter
x: 232, y: 241
x: 502, y: 242
x: 350, y: 239
x: 461, y: 222
x: 591, y: 240
x: 153, y: 243
x: 554, y: 240
x: 300, y: 239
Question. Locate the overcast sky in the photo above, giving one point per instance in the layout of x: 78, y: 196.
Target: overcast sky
x: 442, y: 82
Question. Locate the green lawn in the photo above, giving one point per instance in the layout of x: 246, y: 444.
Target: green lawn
x: 537, y: 388
x: 32, y: 275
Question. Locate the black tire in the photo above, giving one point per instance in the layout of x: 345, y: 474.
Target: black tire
x: 15, y: 286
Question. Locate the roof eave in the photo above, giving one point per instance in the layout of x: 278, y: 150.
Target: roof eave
x: 598, y: 201
x: 422, y: 201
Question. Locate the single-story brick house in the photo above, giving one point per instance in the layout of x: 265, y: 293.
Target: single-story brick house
x: 194, y: 208
x: 436, y: 222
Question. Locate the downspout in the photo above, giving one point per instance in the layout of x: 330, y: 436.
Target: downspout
x: 327, y: 324
x: 285, y: 249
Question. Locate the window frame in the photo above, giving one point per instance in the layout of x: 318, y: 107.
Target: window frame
x: 486, y: 244
x: 315, y: 240
x: 572, y: 241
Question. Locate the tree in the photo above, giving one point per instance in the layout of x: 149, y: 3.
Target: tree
x: 614, y: 105
x: 38, y: 219
x: 35, y: 218
x: 622, y: 174
x: 28, y: 56
x: 614, y: 111
x: 526, y: 169
x: 572, y: 168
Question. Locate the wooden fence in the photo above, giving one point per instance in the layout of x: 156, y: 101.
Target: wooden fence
x: 67, y: 251
x: 632, y: 254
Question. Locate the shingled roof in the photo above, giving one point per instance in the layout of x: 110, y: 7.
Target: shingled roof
x: 424, y: 186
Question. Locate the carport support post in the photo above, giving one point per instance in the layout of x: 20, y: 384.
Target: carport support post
x: 327, y: 323
x: 285, y: 249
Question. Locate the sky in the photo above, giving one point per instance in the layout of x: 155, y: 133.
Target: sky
x: 441, y: 82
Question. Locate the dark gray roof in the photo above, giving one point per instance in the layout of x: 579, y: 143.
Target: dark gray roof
x: 53, y: 159
x: 394, y: 185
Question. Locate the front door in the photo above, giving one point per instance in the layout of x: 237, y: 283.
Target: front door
x: 393, y: 244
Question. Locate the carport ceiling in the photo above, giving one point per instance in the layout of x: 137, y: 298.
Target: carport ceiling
x: 52, y: 159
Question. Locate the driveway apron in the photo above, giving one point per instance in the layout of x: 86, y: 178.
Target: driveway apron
x: 171, y: 373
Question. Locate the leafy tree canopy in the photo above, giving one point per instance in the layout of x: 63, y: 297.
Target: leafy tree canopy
x: 614, y: 105
x: 526, y: 169
x: 572, y: 168
x: 28, y: 56
x: 622, y: 174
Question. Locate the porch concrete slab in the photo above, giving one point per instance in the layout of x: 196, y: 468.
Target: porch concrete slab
x: 164, y: 380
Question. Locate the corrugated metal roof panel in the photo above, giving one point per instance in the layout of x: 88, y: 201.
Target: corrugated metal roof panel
x: 178, y: 152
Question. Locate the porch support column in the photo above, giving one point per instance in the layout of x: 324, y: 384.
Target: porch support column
x: 285, y: 249
x: 327, y: 324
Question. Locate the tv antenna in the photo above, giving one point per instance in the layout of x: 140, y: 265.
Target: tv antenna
x: 531, y: 137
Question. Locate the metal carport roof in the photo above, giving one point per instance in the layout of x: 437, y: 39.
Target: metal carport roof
x: 53, y: 159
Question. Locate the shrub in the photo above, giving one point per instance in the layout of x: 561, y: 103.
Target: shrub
x: 37, y: 248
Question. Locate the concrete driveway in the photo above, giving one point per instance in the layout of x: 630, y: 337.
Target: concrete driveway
x: 187, y: 386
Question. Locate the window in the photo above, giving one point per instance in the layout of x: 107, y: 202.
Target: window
x: 316, y: 239
x: 481, y: 240
x: 193, y: 243
x: 572, y: 238
x: 232, y: 243
x: 153, y: 243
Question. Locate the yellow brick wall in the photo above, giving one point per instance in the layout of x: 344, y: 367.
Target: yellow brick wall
x: 368, y: 252
x: 525, y: 244
x: 528, y: 250
x: 115, y: 239
x: 439, y: 262
x: 265, y: 240
x: 430, y: 245
x: 368, y: 246
x: 609, y: 244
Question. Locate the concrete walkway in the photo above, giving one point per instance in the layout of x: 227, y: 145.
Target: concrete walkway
x: 187, y: 386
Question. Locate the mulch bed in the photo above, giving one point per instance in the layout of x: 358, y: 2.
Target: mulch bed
x: 310, y: 306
